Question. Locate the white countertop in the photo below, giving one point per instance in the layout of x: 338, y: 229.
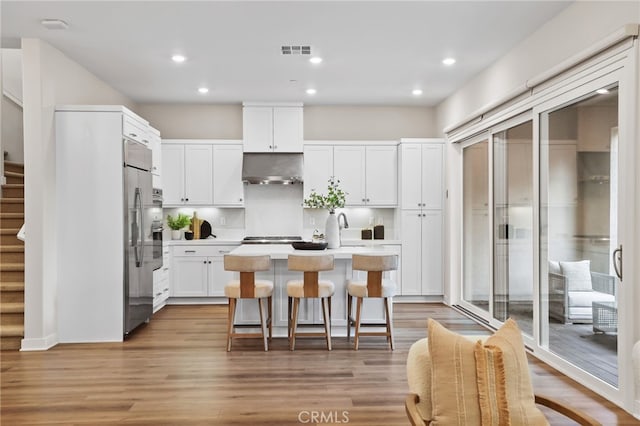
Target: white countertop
x: 229, y: 241
x: 282, y: 251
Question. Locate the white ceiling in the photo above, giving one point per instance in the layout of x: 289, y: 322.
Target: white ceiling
x: 375, y: 52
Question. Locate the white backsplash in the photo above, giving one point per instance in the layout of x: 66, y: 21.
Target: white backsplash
x: 227, y: 223
x: 273, y: 209
x: 358, y: 218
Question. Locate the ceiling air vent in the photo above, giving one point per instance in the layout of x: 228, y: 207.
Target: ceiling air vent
x: 296, y: 50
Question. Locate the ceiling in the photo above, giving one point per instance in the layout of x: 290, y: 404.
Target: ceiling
x: 374, y: 52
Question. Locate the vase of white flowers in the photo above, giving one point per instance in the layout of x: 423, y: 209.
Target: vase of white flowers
x: 334, y: 199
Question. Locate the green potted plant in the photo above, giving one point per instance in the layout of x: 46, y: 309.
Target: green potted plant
x: 334, y: 199
x: 177, y: 223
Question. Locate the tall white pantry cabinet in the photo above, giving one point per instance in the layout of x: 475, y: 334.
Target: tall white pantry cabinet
x: 421, y: 216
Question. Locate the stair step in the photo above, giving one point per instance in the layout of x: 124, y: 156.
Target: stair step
x: 11, y: 308
x: 11, y: 205
x: 8, y: 236
x: 11, y: 275
x: 14, y: 178
x: 11, y: 256
x: 13, y: 343
x: 11, y: 330
x: 12, y: 166
x: 12, y: 220
x: 6, y: 267
x: 10, y: 286
x: 11, y: 249
x: 12, y: 318
x: 14, y: 190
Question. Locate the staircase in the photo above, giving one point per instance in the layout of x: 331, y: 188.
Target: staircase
x: 11, y: 258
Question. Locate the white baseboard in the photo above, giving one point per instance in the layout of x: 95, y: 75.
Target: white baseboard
x: 41, y: 344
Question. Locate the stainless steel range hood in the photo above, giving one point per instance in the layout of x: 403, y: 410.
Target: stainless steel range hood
x: 269, y: 168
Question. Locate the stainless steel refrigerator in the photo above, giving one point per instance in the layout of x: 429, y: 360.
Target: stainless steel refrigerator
x: 138, y: 238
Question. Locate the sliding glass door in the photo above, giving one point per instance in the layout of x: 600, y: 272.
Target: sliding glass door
x: 578, y: 231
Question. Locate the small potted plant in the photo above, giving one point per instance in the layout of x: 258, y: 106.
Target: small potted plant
x: 334, y: 199
x: 177, y: 223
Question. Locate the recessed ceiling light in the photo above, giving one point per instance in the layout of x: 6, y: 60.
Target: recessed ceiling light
x: 203, y: 90
x: 54, y: 24
x: 602, y: 91
x: 178, y: 59
x: 416, y: 92
x: 311, y: 91
x: 448, y: 61
x: 315, y: 60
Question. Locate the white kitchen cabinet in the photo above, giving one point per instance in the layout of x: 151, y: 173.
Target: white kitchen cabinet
x: 421, y: 175
x: 368, y: 174
x: 318, y: 168
x: 272, y: 128
x: 133, y: 127
x: 198, y: 271
x: 422, y: 258
x: 156, y: 157
x: 228, y: 189
x: 188, y: 174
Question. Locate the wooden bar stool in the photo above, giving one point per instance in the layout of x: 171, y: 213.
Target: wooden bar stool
x: 248, y: 288
x: 310, y: 287
x: 374, y: 286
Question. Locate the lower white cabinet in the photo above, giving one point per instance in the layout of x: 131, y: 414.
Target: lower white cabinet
x: 198, y: 271
x: 422, y: 259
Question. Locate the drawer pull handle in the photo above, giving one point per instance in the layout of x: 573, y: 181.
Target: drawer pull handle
x: 189, y: 251
x: 223, y: 251
x: 133, y: 134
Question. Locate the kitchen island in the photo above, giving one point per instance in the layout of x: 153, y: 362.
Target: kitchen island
x: 310, y: 309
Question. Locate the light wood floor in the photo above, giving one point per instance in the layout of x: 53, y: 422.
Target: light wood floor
x: 176, y: 371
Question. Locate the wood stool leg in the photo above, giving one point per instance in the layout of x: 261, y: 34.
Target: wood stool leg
x: 270, y: 317
x: 389, y: 315
x: 330, y: 325
x: 358, y: 311
x: 230, y: 319
x: 289, y: 317
x: 327, y: 321
x: 263, y: 325
x: 349, y: 302
x: 292, y: 342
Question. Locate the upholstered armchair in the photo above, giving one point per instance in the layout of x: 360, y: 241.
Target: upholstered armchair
x: 573, y: 288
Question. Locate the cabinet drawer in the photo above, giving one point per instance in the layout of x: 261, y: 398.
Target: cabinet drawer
x: 135, y: 130
x: 209, y: 251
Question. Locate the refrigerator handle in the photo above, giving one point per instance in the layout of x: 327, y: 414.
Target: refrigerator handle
x: 135, y: 232
x: 142, y: 228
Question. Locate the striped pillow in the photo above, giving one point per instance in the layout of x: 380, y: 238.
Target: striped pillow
x: 481, y: 384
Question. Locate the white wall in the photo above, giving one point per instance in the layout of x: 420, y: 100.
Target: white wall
x: 50, y: 79
x: 12, y: 132
x: 196, y: 121
x: 573, y: 30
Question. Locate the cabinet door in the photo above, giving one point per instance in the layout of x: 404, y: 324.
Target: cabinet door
x: 173, y: 172
x: 411, y: 176
x: 189, y: 276
x: 287, y: 129
x: 198, y: 172
x: 411, y: 232
x: 432, y: 187
x: 349, y: 168
x: 381, y: 171
x: 156, y: 158
x: 257, y: 129
x: 218, y: 277
x: 431, y: 253
x: 318, y: 168
x: 228, y: 189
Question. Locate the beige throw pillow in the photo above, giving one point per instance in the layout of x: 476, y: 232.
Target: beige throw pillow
x: 476, y: 384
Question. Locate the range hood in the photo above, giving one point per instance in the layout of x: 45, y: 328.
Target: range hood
x: 270, y: 168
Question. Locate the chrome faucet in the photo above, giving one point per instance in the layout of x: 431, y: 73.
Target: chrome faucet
x: 346, y: 225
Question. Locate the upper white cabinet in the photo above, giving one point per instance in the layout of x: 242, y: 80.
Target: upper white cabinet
x: 421, y: 175
x: 318, y: 168
x: 133, y: 127
x: 156, y: 157
x: 368, y: 173
x: 188, y: 174
x: 272, y: 128
x: 228, y: 189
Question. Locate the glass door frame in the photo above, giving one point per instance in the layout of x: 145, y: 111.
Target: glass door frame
x: 624, y: 393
